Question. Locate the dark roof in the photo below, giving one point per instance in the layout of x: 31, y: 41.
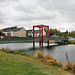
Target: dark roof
x: 9, y: 29
x: 29, y: 31
x: 14, y: 29
x: 18, y: 29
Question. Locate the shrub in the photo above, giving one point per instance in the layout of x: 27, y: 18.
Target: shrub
x: 40, y: 55
x: 48, y: 57
x: 25, y: 54
x: 58, y: 64
x: 51, y: 62
x: 73, y: 68
x: 31, y: 54
x: 2, y: 49
x: 42, y: 60
x: 22, y: 53
x: 68, y: 66
x: 6, y: 50
x: 51, y: 41
x: 71, y: 42
x: 16, y: 52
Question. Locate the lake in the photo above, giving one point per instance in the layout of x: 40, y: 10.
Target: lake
x: 58, y: 51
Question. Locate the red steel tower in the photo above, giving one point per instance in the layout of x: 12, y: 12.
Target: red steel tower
x: 40, y: 34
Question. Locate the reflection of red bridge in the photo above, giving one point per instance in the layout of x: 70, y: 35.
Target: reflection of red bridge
x: 41, y: 34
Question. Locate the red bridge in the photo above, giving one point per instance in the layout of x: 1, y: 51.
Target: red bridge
x: 41, y: 34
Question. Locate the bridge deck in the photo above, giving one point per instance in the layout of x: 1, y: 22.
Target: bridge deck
x: 51, y: 38
x: 30, y: 39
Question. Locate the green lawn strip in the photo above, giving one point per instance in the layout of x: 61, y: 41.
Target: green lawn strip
x: 18, y: 68
x: 14, y: 64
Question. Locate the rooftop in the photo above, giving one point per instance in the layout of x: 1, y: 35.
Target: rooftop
x: 14, y: 29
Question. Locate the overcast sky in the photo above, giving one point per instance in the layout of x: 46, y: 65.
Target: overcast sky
x: 58, y: 14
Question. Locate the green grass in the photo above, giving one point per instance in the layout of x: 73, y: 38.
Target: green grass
x: 16, y: 64
x: 71, y: 42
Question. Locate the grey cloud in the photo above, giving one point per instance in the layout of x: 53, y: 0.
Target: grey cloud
x: 1, y: 1
x: 26, y: 6
x: 31, y: 17
x: 2, y: 18
x: 64, y: 7
x: 55, y: 12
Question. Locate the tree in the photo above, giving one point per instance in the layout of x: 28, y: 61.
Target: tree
x: 45, y: 29
x: 65, y: 35
x: 1, y: 33
x: 72, y: 33
x: 51, y: 32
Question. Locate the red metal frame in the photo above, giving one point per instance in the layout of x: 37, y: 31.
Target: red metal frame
x: 40, y: 34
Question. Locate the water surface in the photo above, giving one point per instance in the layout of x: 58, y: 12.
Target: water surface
x: 58, y: 52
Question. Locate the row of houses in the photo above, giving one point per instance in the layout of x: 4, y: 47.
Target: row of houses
x: 20, y: 32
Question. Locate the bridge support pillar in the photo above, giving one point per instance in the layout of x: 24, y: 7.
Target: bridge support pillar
x: 42, y: 35
x: 33, y: 38
x: 40, y: 43
x: 48, y: 43
x: 48, y: 34
x: 33, y: 44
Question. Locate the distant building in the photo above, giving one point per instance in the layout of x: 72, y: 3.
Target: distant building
x: 30, y: 32
x: 14, y: 32
x: 36, y: 34
x: 1, y: 37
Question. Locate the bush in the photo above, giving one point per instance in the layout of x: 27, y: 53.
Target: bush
x: 69, y: 67
x: 73, y: 68
x: 71, y: 42
x: 25, y: 54
x: 58, y: 64
x: 16, y: 52
x: 40, y: 55
x: 2, y: 49
x: 6, y: 50
x: 51, y: 62
x: 22, y: 53
x: 51, y: 41
x: 31, y: 54
x: 47, y: 59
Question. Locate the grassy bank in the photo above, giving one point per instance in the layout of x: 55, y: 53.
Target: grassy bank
x: 71, y: 42
x: 16, y: 64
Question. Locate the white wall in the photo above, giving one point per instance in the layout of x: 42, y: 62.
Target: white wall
x: 21, y: 33
x: 5, y: 33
